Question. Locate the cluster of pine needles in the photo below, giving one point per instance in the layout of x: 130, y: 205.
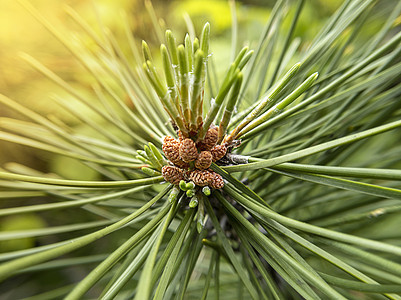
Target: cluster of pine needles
x: 265, y: 182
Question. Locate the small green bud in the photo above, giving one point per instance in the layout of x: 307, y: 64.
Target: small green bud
x: 206, y: 191
x: 191, y: 193
x: 190, y: 185
x: 194, y: 202
x: 183, y: 185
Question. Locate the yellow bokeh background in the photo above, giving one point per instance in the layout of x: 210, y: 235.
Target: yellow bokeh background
x: 20, y: 32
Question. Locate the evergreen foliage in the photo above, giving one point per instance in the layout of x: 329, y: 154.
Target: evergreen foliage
x: 311, y: 167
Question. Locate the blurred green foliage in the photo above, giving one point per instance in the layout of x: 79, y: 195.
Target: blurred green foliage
x: 20, y: 222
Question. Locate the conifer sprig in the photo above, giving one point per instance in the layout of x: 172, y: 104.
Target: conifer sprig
x: 250, y: 180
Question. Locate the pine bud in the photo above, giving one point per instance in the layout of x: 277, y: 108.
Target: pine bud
x: 171, y: 149
x: 194, y: 202
x: 218, y: 152
x: 201, y: 177
x: 190, y: 185
x: 210, y: 139
x: 172, y: 174
x: 217, y: 181
x: 206, y: 191
x: 183, y: 185
x: 190, y: 193
x: 204, y: 160
x: 188, y: 151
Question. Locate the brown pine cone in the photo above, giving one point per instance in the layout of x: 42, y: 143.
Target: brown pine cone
x: 179, y: 163
x: 170, y: 146
x: 188, y: 151
x: 172, y: 174
x: 204, y: 160
x: 218, y: 152
x: 201, y: 177
x: 171, y: 149
x: 210, y: 139
x: 217, y: 181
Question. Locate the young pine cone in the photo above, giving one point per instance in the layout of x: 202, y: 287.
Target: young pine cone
x: 201, y: 177
x: 210, y: 139
x: 188, y: 151
x: 218, y: 152
x: 204, y: 160
x: 217, y: 181
x: 172, y: 174
x: 171, y: 149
